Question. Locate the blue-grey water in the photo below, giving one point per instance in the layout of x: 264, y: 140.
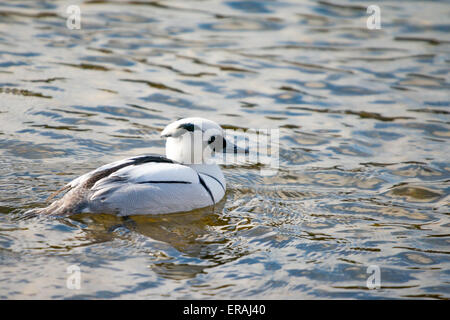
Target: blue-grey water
x: 364, y: 165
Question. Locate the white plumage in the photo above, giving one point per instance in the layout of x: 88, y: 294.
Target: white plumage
x: 152, y: 184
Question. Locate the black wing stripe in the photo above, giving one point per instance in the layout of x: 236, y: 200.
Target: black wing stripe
x: 182, y: 182
x: 150, y: 158
x: 133, y: 161
x: 214, y: 179
x: 206, y: 187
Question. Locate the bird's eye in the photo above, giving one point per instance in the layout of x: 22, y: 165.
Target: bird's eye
x: 211, y: 140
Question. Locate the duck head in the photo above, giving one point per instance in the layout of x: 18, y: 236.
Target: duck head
x: 195, y: 140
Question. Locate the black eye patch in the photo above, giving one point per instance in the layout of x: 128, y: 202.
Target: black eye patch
x: 187, y: 126
x: 211, y: 140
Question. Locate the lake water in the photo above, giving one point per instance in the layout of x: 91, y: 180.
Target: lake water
x: 364, y: 165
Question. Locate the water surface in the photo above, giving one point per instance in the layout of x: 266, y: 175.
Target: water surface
x: 364, y: 147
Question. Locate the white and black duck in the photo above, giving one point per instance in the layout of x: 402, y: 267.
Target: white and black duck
x: 152, y: 184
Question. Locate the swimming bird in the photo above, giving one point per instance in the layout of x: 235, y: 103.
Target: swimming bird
x: 183, y: 180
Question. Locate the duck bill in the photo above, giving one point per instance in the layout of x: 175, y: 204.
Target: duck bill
x: 229, y: 147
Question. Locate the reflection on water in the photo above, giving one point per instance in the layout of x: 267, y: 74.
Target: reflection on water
x: 364, y: 167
